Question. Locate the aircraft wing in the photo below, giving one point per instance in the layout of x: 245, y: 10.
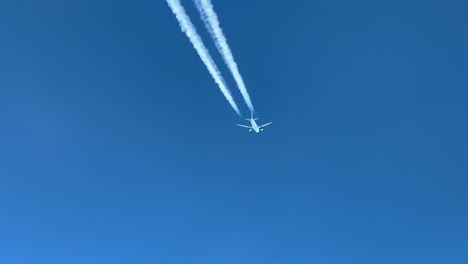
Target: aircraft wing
x: 264, y: 125
x: 245, y: 126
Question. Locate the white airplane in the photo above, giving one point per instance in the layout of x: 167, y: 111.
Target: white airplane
x: 254, y: 125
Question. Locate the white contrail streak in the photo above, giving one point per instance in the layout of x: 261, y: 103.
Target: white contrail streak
x: 209, y: 17
x: 189, y: 29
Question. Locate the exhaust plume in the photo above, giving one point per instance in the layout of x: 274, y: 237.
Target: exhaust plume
x: 210, y: 19
x: 189, y: 29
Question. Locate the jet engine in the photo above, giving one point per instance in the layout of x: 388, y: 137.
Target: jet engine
x: 250, y: 130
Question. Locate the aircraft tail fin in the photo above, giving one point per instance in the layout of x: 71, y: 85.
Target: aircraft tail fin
x: 251, y: 117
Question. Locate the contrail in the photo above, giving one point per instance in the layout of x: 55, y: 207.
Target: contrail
x: 209, y: 17
x: 189, y: 29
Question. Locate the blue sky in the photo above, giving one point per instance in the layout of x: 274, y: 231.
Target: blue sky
x: 117, y: 146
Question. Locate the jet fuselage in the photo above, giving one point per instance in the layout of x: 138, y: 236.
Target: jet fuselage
x: 254, y: 125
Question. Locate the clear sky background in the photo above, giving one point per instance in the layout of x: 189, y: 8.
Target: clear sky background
x: 117, y: 147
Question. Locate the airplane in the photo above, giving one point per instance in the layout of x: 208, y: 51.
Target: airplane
x: 254, y: 125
